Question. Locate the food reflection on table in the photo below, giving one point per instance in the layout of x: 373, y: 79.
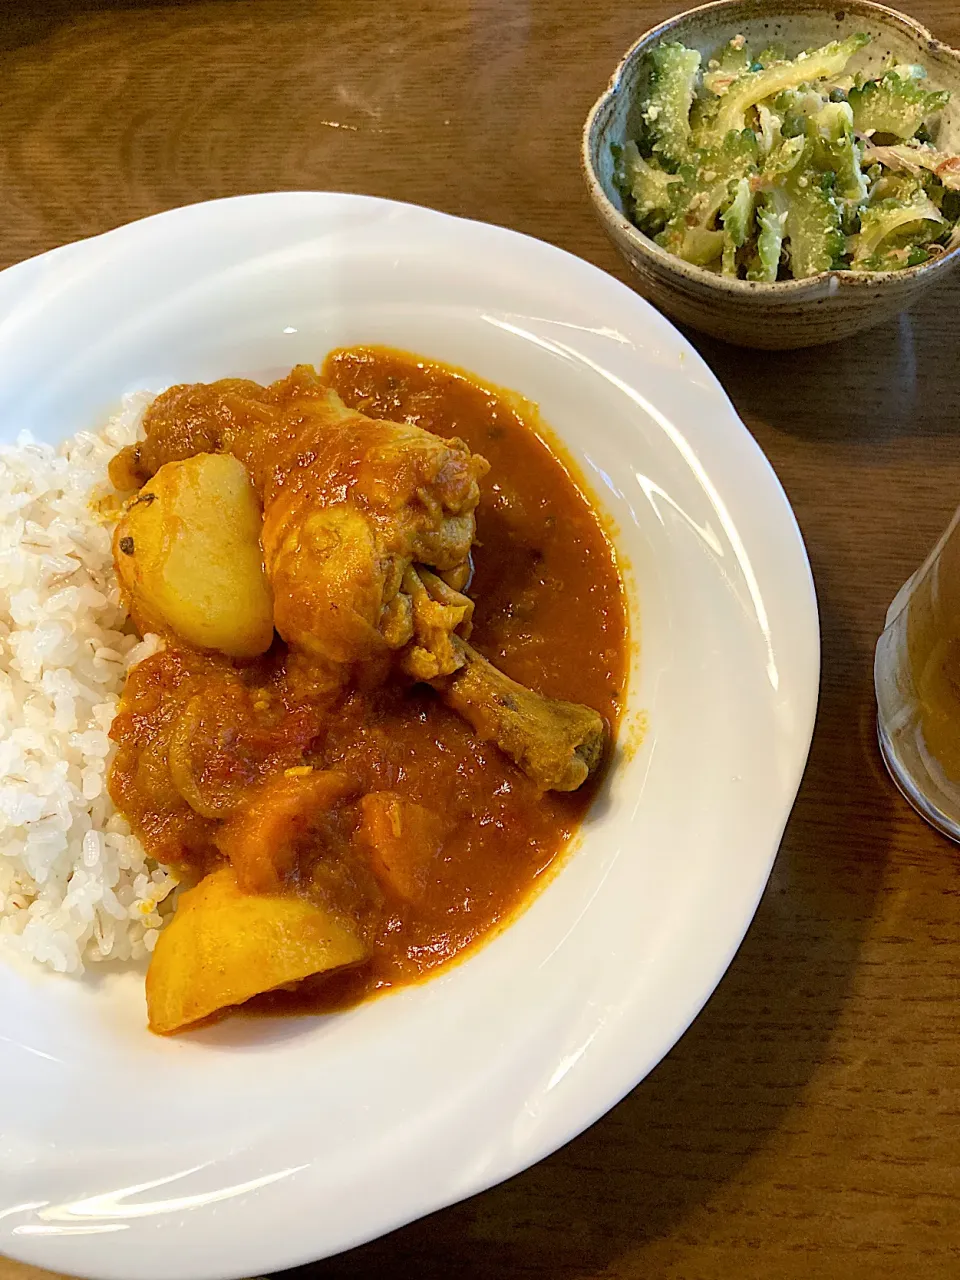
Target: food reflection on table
x: 393, y: 652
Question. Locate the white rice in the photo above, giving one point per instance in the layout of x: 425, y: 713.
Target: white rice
x: 75, y: 885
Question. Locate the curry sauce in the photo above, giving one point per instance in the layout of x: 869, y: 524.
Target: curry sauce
x: 549, y: 612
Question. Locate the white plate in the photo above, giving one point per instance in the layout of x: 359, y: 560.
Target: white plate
x: 255, y: 1146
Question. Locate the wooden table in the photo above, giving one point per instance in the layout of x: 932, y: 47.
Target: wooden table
x: 808, y: 1125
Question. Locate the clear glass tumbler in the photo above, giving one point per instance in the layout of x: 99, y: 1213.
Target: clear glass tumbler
x: 917, y: 679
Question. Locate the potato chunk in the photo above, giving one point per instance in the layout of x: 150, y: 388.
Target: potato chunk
x: 404, y: 840
x: 188, y: 555
x: 224, y: 946
x: 262, y: 836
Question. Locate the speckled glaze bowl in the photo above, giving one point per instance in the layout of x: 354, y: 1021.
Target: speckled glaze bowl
x: 789, y: 313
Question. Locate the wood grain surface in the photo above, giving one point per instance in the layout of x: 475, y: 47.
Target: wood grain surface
x: 808, y: 1124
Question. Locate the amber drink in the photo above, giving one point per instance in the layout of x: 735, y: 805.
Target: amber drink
x: 917, y: 677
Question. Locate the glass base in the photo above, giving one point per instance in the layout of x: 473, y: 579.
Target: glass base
x: 911, y: 793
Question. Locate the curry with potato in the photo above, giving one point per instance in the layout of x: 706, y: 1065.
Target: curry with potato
x: 394, y: 650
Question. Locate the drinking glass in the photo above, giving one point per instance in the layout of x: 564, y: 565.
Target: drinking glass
x: 917, y: 679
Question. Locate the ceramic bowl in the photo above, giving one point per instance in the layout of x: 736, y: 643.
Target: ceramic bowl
x: 789, y: 313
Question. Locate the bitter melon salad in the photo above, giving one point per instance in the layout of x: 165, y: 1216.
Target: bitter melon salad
x: 767, y: 168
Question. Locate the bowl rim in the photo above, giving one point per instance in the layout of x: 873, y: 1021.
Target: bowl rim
x: 825, y: 281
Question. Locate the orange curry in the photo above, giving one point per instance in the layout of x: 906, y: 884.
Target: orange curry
x: 351, y: 767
